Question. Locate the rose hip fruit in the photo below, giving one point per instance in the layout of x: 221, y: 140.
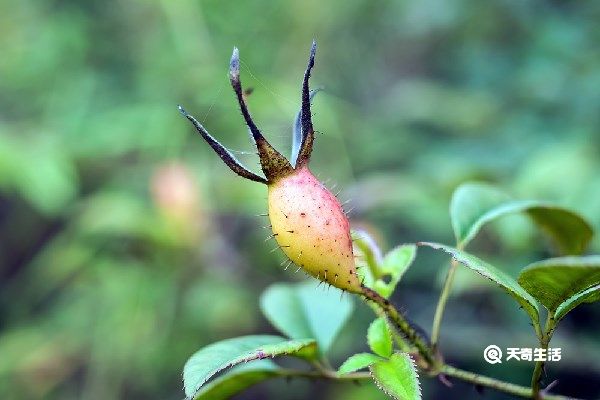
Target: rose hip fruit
x: 307, y: 219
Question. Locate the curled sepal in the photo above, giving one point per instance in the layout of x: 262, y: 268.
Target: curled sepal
x: 222, y: 151
x: 297, y: 133
x: 308, y: 133
x: 273, y: 164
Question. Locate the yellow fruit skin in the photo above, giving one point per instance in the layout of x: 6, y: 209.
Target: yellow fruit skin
x: 312, y: 230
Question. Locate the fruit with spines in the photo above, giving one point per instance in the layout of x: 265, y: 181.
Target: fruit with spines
x: 307, y: 220
x: 312, y: 229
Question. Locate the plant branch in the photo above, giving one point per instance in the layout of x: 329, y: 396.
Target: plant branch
x: 441, y: 305
x: 496, y: 384
x: 436, y: 367
x: 403, y: 345
x: 324, y: 374
x: 405, y: 327
x: 536, y: 377
x: 447, y: 370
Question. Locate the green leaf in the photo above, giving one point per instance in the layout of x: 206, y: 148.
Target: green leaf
x: 228, y: 353
x: 397, y: 377
x: 381, y: 274
x: 590, y: 295
x: 238, y: 379
x: 560, y: 284
x: 393, y: 266
x: 380, y: 338
x: 475, y: 204
x: 305, y: 311
x: 470, y: 204
x: 507, y: 282
x: 568, y: 229
x: 368, y: 256
x: 358, y: 361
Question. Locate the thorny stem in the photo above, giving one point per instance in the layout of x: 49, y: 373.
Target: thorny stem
x: 435, y: 365
x: 405, y: 327
x: 403, y: 345
x: 447, y: 370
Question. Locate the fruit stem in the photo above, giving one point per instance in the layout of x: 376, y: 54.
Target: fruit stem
x: 404, y: 326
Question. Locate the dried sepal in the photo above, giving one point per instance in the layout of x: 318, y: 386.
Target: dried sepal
x: 308, y: 133
x: 273, y: 164
x: 226, y: 155
x: 297, y: 136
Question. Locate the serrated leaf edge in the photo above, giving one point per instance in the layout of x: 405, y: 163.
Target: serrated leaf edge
x: 560, y: 313
x: 249, y: 356
x: 525, y: 207
x: 414, y: 372
x: 565, y: 261
x: 525, y: 296
x: 356, y: 369
x: 272, y: 373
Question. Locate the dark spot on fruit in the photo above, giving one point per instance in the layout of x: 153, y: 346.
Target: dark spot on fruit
x: 303, y: 214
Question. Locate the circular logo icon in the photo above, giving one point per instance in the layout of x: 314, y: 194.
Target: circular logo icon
x: 492, y: 354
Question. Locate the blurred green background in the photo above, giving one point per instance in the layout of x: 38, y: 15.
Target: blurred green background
x: 126, y: 245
